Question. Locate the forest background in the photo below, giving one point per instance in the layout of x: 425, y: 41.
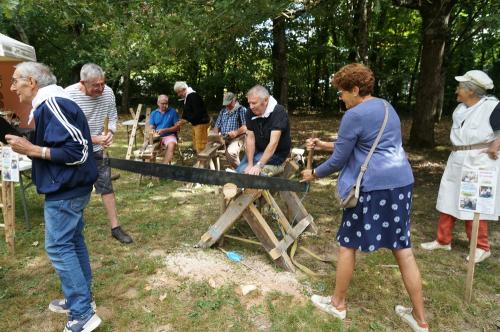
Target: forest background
x: 414, y: 47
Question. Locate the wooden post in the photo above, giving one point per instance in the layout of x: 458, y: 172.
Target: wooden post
x: 472, y: 254
x: 8, y: 210
x: 134, y: 129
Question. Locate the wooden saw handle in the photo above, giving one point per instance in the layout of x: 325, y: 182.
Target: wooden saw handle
x: 310, y: 155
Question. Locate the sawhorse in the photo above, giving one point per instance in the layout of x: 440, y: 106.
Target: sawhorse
x: 243, y: 205
x: 210, y: 156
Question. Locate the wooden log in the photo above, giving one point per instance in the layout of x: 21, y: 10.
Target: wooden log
x: 229, y: 190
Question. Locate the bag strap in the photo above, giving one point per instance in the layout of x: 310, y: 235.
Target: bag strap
x: 364, y: 167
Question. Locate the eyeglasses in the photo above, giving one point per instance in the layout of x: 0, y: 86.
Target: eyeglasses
x: 14, y: 80
x: 95, y: 85
x: 339, y: 93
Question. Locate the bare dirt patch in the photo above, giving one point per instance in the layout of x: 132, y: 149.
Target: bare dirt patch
x: 213, y: 267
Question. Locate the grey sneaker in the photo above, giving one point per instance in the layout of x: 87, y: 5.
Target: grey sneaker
x: 84, y: 325
x: 322, y: 303
x: 61, y: 306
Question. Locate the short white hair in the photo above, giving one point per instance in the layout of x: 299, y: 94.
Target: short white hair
x: 91, y: 71
x: 161, y: 96
x: 474, y: 88
x: 259, y: 91
x: 41, y: 73
x: 180, y: 85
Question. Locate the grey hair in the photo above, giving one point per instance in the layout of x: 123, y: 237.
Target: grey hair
x: 180, y: 85
x: 91, y: 71
x: 258, y: 91
x: 38, y: 71
x: 160, y: 97
x: 474, y: 88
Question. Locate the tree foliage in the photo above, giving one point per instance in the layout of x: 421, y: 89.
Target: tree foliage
x: 145, y: 46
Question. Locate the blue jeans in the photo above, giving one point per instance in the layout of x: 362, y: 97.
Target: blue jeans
x: 256, y: 157
x: 65, y: 246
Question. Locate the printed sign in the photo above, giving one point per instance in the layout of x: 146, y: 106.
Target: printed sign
x: 477, y: 191
x: 10, y: 165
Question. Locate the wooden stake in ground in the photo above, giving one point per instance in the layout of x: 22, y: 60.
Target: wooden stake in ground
x: 472, y: 254
x: 134, y: 130
x: 8, y: 211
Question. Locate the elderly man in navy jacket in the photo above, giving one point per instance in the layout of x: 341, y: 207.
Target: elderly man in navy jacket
x: 63, y: 171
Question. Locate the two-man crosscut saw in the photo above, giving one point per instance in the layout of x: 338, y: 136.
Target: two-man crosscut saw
x: 205, y: 176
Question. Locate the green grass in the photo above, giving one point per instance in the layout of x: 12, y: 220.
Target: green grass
x: 163, y: 219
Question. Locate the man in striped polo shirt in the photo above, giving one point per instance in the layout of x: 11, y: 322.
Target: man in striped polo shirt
x: 97, y: 102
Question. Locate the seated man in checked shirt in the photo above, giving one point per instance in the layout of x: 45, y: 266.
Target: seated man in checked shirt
x: 231, y: 124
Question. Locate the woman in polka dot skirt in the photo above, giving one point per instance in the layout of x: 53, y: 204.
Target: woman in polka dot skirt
x: 381, y: 219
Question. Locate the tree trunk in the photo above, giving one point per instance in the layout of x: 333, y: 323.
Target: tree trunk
x: 414, y: 73
x: 319, y: 68
x: 361, y: 16
x: 430, y: 88
x: 280, y: 62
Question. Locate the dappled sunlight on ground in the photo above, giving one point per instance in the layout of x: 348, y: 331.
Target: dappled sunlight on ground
x: 161, y: 283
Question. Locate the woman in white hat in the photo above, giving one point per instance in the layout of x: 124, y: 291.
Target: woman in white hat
x: 475, y: 135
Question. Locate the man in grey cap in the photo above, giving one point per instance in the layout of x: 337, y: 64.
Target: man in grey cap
x: 231, y: 124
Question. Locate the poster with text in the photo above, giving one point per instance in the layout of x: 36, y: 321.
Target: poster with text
x: 477, y: 191
x: 10, y: 165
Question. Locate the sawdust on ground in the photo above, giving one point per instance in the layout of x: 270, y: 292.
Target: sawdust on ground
x: 214, y: 267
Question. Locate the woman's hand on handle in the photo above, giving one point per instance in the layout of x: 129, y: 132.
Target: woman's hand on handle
x: 308, y: 175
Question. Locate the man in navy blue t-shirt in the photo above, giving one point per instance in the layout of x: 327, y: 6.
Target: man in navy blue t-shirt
x: 268, y: 140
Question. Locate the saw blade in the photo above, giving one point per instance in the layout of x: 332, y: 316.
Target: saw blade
x: 206, y: 176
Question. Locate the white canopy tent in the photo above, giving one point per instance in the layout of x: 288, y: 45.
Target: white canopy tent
x: 11, y: 53
x: 13, y: 50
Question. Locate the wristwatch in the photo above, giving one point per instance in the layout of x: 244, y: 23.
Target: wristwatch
x: 259, y: 164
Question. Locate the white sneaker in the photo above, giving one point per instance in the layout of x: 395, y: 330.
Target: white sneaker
x: 324, y: 303
x: 407, y: 317
x: 435, y: 245
x: 480, y: 255
x: 321, y: 299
